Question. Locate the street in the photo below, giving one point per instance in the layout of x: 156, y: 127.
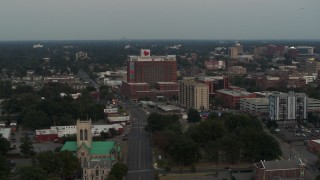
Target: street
x: 139, y: 147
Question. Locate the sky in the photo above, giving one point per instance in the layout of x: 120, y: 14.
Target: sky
x: 159, y: 19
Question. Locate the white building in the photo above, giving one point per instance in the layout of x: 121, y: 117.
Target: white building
x: 291, y: 106
x: 5, y: 133
x: 254, y: 105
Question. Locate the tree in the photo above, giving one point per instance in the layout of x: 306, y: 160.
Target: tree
x: 183, y: 150
x: 48, y: 161
x: 4, y: 168
x: 36, y: 119
x: 5, y: 89
x: 158, y: 122
x: 119, y: 170
x: 272, y: 124
x: 193, y: 116
x: 4, y: 145
x: 26, y: 147
x: 68, y: 163
x: 32, y: 173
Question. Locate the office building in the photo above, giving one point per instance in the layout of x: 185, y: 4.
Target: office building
x: 305, y: 50
x: 233, y: 52
x: 194, y: 95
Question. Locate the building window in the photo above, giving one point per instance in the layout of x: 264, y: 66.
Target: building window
x: 86, y: 135
x: 81, y: 135
x: 97, y: 172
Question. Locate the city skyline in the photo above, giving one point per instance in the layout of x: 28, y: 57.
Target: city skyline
x: 142, y: 19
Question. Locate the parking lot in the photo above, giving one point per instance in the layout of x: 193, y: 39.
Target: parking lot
x: 15, y: 141
x: 297, y: 133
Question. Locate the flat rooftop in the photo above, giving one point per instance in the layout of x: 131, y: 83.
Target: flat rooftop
x: 282, y: 164
x: 234, y: 92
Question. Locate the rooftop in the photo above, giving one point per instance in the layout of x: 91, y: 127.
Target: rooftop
x: 5, y: 132
x: 97, y: 147
x: 282, y: 164
x: 234, y: 92
x: 260, y: 101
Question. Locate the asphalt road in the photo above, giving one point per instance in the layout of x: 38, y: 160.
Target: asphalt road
x: 139, y: 146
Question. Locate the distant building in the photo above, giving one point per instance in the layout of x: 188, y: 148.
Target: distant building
x: 259, y: 52
x: 214, y: 65
x: 245, y: 58
x: 149, y: 76
x: 233, y: 52
x: 82, y: 56
x: 194, y: 95
x: 305, y: 50
x: 310, y: 67
x: 291, y: 106
x: 237, y: 70
x: 314, y: 145
x: 284, y: 81
x: 214, y: 82
x: 96, y: 157
x: 36, y: 46
x: 280, y: 169
x: 275, y: 51
x: 254, y: 105
x: 58, y: 132
x: 231, y: 98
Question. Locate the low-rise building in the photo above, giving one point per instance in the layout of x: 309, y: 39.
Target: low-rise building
x: 254, y: 105
x: 5, y: 133
x: 237, y: 70
x: 231, y: 98
x: 314, y: 145
x: 280, y: 169
x: 57, y: 132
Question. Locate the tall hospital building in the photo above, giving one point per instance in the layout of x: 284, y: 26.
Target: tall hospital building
x: 150, y: 76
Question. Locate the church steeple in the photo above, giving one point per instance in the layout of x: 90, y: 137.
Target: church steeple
x: 84, y: 133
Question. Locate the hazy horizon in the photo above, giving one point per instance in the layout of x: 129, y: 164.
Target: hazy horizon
x: 59, y: 20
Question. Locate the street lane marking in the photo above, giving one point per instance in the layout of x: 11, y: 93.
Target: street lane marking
x: 139, y: 153
x: 137, y: 171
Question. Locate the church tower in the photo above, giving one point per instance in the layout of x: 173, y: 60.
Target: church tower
x: 84, y: 133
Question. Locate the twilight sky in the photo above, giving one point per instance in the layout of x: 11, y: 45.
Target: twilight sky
x: 159, y: 19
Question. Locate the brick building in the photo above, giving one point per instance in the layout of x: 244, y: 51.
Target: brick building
x: 231, y: 98
x: 314, y: 145
x: 280, y: 169
x: 149, y: 76
x: 281, y: 81
x: 214, y: 82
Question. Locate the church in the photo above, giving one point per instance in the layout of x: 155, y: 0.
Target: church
x: 96, y: 157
